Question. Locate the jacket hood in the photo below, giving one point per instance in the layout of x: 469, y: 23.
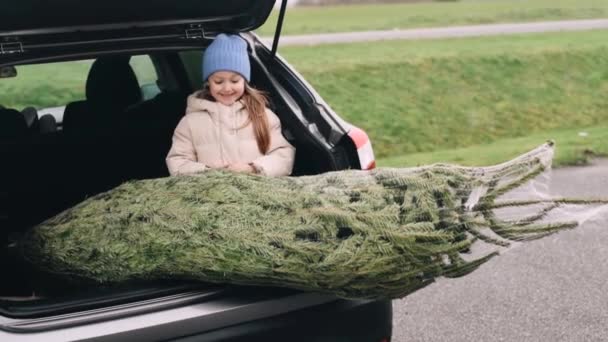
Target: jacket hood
x: 196, y: 104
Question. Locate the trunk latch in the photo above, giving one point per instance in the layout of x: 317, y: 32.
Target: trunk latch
x: 10, y: 48
x: 195, y: 32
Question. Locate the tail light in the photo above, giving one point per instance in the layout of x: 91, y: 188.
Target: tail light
x: 364, y: 148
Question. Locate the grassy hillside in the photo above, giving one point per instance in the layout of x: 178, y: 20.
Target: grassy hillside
x: 302, y: 20
x: 575, y: 146
x: 424, y: 96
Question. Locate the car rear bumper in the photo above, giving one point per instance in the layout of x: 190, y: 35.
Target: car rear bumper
x: 242, y: 314
x: 341, y: 320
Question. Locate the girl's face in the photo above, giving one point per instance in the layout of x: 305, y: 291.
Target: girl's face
x: 226, y: 87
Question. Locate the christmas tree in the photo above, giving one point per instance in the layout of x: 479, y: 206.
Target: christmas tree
x: 356, y: 234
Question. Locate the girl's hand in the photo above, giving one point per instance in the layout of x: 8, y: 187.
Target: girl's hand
x: 241, y: 167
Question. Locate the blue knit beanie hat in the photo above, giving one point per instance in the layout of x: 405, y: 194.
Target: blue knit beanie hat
x: 226, y: 53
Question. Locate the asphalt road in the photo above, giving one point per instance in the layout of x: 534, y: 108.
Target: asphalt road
x: 552, y: 289
x: 441, y: 32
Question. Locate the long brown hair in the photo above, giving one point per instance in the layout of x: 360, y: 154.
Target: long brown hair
x: 255, y: 102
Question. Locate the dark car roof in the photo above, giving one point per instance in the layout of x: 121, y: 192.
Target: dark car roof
x: 25, y: 17
x: 31, y: 29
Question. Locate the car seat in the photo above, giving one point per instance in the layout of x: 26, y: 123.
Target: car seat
x: 110, y: 88
x: 31, y: 118
x: 13, y: 126
x: 47, y: 124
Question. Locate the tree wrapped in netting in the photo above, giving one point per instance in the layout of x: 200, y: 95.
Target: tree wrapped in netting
x: 356, y: 234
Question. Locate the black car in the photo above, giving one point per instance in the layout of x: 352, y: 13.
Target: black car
x: 90, y: 94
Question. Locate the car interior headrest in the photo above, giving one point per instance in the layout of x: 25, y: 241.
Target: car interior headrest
x: 112, y: 82
x: 12, y: 124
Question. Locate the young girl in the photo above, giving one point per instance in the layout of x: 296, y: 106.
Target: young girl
x: 227, y: 124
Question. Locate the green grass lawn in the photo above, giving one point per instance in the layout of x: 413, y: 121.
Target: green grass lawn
x: 45, y: 85
x: 305, y: 20
x: 573, y: 147
x: 423, y: 96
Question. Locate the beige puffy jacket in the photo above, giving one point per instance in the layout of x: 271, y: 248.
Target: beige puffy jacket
x: 211, y: 133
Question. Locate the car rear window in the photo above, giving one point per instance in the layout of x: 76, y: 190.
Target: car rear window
x: 45, y: 85
x: 49, y: 87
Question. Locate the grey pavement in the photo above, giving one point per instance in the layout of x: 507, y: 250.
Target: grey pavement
x: 552, y: 289
x: 441, y: 32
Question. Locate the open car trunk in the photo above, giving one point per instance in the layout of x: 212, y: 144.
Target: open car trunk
x: 48, y: 173
x: 92, y: 147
